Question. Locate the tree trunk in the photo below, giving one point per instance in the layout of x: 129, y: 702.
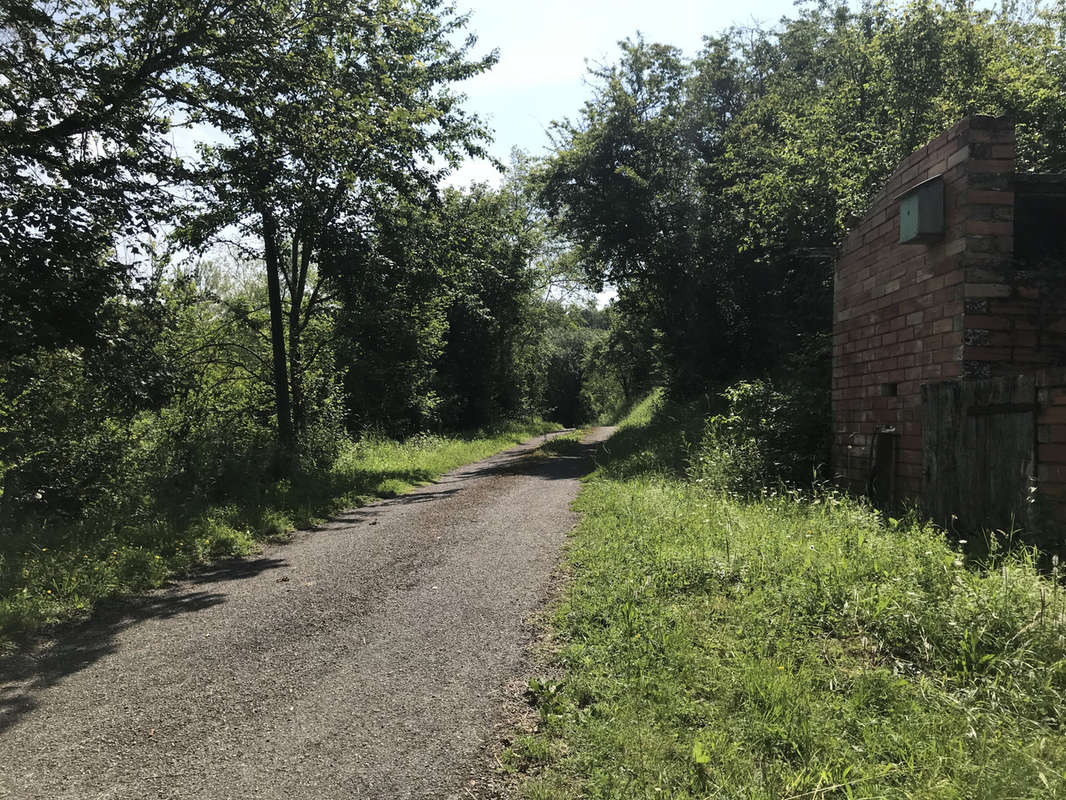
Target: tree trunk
x: 295, y: 365
x: 299, y: 264
x: 277, y: 332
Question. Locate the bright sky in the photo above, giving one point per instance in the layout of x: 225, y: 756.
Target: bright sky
x: 544, y: 46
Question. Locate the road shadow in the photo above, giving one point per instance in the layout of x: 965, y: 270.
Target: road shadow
x: 232, y: 569
x: 44, y: 661
x: 369, y: 514
x: 556, y: 459
x: 548, y: 459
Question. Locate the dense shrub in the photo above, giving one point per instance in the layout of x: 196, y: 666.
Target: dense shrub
x: 764, y: 436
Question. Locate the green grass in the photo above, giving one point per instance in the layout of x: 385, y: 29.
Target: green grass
x: 787, y: 648
x: 57, y: 575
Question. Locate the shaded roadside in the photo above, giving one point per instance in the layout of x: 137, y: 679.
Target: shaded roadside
x: 364, y: 659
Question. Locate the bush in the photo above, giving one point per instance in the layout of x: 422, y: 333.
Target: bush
x: 764, y: 437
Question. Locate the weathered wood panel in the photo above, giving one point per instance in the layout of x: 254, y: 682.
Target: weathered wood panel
x: 978, y: 446
x: 881, y: 487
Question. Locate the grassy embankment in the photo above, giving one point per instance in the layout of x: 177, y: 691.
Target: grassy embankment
x: 787, y: 648
x: 61, y: 574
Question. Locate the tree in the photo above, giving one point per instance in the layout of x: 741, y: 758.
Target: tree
x: 630, y: 186
x: 348, y: 107
x: 488, y: 366
x: 392, y: 322
x: 85, y: 105
x: 555, y: 262
x: 713, y: 193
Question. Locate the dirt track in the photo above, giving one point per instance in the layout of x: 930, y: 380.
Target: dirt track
x: 366, y: 659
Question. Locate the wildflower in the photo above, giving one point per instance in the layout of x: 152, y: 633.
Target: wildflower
x: 781, y: 668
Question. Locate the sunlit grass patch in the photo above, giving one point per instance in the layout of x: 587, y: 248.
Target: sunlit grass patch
x: 789, y: 647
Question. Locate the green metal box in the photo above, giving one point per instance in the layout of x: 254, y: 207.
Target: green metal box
x: 921, y: 212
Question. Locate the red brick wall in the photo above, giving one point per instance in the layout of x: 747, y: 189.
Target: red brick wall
x: 1019, y: 325
x: 900, y: 310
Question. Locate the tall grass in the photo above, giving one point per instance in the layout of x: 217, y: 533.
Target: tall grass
x: 62, y: 572
x: 788, y: 647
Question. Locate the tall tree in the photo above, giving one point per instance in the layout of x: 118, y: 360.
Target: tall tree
x: 350, y: 104
x: 714, y: 192
x: 85, y: 103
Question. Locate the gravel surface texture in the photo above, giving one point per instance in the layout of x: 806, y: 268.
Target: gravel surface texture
x: 366, y: 659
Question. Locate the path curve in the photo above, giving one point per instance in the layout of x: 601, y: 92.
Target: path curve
x: 364, y: 660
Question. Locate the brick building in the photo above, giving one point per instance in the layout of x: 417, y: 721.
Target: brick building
x: 949, y: 324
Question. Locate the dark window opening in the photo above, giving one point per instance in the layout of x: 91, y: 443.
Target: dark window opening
x: 1040, y: 222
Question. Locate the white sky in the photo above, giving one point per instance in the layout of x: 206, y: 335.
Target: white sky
x: 544, y: 46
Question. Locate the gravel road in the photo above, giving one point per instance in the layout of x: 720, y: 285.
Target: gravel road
x: 366, y: 659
